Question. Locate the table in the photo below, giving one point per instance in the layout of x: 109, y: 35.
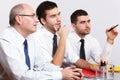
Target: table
x: 116, y: 77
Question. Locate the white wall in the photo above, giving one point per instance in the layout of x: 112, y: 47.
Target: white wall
x: 103, y: 14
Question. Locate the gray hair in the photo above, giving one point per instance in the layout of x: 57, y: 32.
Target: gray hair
x: 17, y: 9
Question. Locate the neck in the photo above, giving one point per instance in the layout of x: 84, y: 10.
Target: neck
x: 22, y: 32
x: 50, y: 30
x: 81, y: 36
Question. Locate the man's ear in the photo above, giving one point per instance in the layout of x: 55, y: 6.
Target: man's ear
x: 43, y: 21
x: 73, y: 25
x: 18, y: 19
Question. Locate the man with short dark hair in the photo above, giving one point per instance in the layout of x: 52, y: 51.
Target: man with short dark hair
x: 81, y: 25
x: 19, y: 49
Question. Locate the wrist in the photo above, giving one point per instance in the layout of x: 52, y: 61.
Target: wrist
x: 111, y: 41
x: 90, y: 67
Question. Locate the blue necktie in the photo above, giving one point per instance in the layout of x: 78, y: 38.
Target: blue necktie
x: 54, y: 45
x: 26, y: 53
x: 82, y: 51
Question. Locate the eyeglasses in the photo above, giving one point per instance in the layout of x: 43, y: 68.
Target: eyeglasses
x: 32, y: 15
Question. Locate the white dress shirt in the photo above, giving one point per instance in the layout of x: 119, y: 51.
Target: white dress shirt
x: 12, y: 58
x: 93, y: 50
x: 92, y: 47
x: 46, y: 42
x: 46, y: 39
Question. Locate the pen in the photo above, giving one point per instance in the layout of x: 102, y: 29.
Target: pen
x: 113, y: 27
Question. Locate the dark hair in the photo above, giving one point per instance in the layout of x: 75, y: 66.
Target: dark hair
x: 77, y: 13
x: 41, y: 9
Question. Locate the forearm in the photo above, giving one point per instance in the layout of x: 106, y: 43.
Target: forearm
x: 106, y: 53
x: 59, y: 55
x: 110, y: 41
x: 83, y: 64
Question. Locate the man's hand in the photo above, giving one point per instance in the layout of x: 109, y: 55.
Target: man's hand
x: 111, y: 35
x: 63, y: 32
x: 95, y: 67
x: 72, y: 73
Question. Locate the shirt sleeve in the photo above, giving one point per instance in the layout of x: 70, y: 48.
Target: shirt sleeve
x: 13, y: 62
x: 95, y: 50
x: 105, y: 55
x: 70, y: 56
x: 43, y: 59
x: 41, y: 75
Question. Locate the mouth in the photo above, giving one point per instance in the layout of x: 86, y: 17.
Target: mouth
x: 35, y: 25
x: 88, y: 29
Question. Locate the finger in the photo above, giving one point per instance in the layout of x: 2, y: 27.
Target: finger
x: 57, y: 29
x: 72, y: 67
x: 81, y: 73
x: 72, y: 79
x: 76, y: 69
x: 60, y: 29
x: 76, y: 77
x: 76, y: 74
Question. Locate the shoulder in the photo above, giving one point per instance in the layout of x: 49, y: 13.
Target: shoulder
x: 91, y: 39
x: 72, y: 35
x: 10, y: 35
x: 7, y: 33
x: 40, y: 31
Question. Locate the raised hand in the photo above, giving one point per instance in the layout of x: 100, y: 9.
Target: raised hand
x: 63, y: 31
x: 111, y: 35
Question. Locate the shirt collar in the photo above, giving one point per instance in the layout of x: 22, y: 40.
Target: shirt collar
x: 48, y: 33
x: 18, y: 35
x: 77, y: 38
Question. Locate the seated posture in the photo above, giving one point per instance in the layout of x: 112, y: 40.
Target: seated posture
x: 19, y: 50
x: 53, y: 37
x: 83, y: 44
x: 49, y: 16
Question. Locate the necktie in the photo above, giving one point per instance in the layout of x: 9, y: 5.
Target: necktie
x: 26, y: 53
x: 82, y: 51
x: 54, y: 45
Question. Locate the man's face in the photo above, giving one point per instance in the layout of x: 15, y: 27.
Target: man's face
x: 27, y: 21
x: 53, y: 20
x: 82, y: 26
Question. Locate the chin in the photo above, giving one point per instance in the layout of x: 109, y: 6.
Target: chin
x: 86, y: 33
x: 33, y: 31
